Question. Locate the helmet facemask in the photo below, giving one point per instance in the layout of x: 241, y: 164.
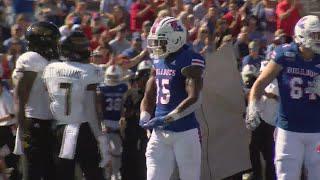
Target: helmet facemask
x: 157, y: 47
x: 113, y: 79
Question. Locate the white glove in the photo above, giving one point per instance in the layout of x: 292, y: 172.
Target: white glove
x: 103, y: 147
x: 253, y: 117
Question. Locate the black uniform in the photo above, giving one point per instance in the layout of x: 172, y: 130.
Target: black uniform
x: 135, y: 140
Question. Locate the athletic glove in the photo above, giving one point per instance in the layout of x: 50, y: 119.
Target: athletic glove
x: 155, y: 122
x: 253, y: 117
x: 103, y: 147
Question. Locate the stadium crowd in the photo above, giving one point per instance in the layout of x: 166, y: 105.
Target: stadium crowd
x: 118, y: 30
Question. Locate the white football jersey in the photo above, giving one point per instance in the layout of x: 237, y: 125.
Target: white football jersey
x: 90, y: 111
x: 38, y: 102
x: 67, y: 84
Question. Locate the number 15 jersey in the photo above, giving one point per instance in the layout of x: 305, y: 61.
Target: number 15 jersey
x: 299, y: 109
x: 67, y: 83
x: 171, y: 86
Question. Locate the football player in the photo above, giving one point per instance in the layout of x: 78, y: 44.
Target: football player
x: 174, y: 91
x: 111, y: 93
x: 134, y: 137
x: 78, y: 137
x: 33, y: 112
x: 296, y: 67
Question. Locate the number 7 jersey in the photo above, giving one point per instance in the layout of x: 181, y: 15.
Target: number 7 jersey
x: 67, y: 83
x: 171, y: 86
x: 299, y: 109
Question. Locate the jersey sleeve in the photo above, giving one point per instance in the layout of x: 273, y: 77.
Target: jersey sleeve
x: 277, y: 56
x: 31, y: 61
x: 94, y: 75
x: 197, y: 60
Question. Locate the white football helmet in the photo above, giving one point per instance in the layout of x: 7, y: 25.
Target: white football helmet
x: 166, y: 36
x: 113, y: 75
x: 143, y: 65
x: 307, y: 33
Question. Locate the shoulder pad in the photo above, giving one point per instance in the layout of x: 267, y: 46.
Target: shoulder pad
x: 31, y: 61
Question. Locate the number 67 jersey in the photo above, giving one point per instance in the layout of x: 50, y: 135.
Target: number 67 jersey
x: 67, y: 83
x: 299, y: 109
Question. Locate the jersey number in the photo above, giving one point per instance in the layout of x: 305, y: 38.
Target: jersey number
x: 68, y: 87
x: 296, y: 91
x: 163, y: 94
x: 113, y: 104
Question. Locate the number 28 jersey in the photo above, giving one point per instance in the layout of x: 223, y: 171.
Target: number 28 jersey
x: 67, y: 83
x: 171, y: 86
x: 299, y: 109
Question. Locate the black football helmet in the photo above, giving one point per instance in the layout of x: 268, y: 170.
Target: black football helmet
x: 43, y: 38
x: 75, y: 47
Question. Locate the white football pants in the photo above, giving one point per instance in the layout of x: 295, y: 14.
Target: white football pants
x: 115, y: 145
x: 165, y: 148
x: 295, y: 149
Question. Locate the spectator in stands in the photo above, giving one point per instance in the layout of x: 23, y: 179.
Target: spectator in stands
x: 253, y: 58
x: 200, y: 42
x: 16, y: 36
x: 242, y: 44
x: 119, y: 43
x: 146, y: 26
x: 265, y: 12
x: 141, y: 11
x: 288, y: 13
x: 233, y: 19
x: 118, y: 19
x: 221, y: 31
x: 201, y: 9
x: 255, y: 31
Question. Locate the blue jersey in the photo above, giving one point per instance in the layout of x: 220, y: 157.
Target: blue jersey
x: 171, y: 86
x: 249, y: 60
x: 299, y: 108
x: 112, y: 97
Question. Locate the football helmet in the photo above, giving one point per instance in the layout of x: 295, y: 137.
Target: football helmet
x: 43, y: 38
x: 75, y: 47
x: 113, y: 75
x: 166, y: 36
x: 143, y: 69
x: 307, y: 33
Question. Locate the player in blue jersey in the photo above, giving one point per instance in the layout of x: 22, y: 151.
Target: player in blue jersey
x: 296, y: 67
x: 173, y: 90
x: 111, y: 93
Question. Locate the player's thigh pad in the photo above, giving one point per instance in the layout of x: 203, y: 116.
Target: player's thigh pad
x: 312, y: 156
x: 289, y: 155
x: 115, y: 144
x: 159, y: 156
x: 187, y: 150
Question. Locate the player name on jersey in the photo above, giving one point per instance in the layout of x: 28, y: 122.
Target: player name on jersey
x: 165, y: 72
x: 76, y: 74
x: 301, y: 71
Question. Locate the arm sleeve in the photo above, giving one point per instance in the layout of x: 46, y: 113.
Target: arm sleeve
x: 197, y: 60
